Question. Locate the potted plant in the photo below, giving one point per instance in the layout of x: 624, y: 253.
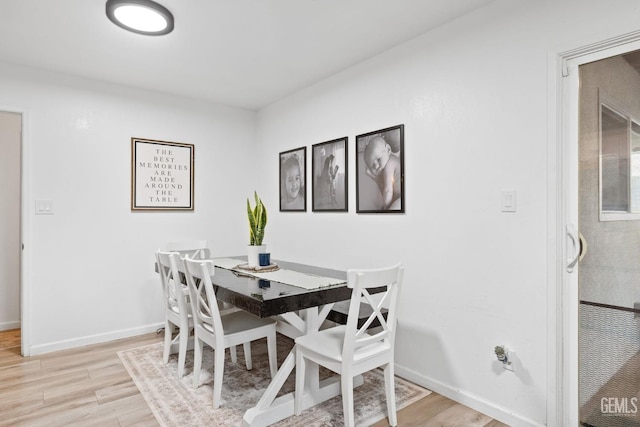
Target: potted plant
x: 257, y: 216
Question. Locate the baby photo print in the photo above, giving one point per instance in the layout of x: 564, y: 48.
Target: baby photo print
x: 380, y: 171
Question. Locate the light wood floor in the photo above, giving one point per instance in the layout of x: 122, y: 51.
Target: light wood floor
x: 89, y: 386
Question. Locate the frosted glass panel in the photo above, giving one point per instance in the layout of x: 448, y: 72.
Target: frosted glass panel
x: 614, y: 162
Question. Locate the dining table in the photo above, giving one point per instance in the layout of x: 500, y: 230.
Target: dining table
x: 299, y: 296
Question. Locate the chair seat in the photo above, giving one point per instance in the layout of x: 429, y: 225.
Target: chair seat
x: 240, y: 321
x: 329, y: 342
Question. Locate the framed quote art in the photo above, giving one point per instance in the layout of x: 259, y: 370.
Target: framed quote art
x: 329, y: 176
x: 293, y: 180
x: 161, y: 175
x: 380, y: 171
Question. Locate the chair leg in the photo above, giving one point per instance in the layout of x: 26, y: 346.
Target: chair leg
x: 168, y: 334
x: 273, y: 352
x: 197, y: 361
x: 182, y: 350
x: 347, y: 400
x: 234, y: 354
x: 218, y: 373
x: 247, y: 355
x: 299, y: 391
x: 389, y: 382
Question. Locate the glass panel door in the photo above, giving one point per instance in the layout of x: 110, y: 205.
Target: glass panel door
x: 609, y: 224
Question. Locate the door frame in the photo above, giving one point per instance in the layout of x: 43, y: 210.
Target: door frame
x: 563, y: 403
x: 25, y: 229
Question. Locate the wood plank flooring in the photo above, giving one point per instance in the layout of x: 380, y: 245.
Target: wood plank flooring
x: 89, y: 386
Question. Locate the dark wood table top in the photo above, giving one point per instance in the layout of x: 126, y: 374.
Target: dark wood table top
x: 266, y: 298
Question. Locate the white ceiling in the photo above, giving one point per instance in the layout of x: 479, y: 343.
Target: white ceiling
x: 244, y: 53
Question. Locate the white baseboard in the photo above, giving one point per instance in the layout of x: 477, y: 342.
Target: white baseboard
x: 497, y: 412
x: 93, y: 339
x: 5, y: 326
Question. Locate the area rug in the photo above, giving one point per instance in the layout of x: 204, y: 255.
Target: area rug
x: 174, y: 402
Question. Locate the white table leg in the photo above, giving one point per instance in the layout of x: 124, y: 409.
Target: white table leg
x: 270, y: 409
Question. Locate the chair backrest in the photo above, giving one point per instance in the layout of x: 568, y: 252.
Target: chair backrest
x: 193, y: 248
x: 204, y: 305
x: 361, y: 281
x: 171, y: 281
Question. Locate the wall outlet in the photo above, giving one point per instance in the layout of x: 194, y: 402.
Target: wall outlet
x: 511, y: 358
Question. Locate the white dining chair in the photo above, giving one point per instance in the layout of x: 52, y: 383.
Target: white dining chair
x: 177, y: 308
x: 199, y: 249
x: 194, y: 248
x: 221, y: 332
x: 350, y: 350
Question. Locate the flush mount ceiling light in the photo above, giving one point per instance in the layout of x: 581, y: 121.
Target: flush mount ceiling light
x: 140, y: 16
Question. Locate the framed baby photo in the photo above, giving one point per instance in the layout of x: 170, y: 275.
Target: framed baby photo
x: 329, y: 176
x: 380, y: 171
x: 293, y: 180
x: 161, y: 175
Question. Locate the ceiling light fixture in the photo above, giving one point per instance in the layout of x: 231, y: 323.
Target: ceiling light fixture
x: 140, y: 16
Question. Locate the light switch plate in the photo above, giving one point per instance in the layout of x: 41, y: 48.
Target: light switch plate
x: 44, y: 207
x: 508, y: 201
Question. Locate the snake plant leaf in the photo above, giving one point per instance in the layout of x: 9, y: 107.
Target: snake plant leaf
x: 257, y: 220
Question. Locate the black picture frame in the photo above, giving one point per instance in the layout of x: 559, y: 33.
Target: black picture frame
x: 293, y: 180
x: 330, y: 175
x: 162, y: 175
x: 384, y: 145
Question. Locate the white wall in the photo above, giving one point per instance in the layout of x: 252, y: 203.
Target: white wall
x: 474, y: 96
x: 91, y: 263
x: 10, y: 130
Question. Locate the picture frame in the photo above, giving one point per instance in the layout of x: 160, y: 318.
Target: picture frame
x: 162, y: 175
x: 380, y: 184
x: 293, y: 180
x: 329, y: 175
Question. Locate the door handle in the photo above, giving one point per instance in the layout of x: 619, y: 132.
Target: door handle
x: 572, y: 260
x: 583, y: 247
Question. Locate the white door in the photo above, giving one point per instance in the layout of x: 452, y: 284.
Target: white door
x: 10, y: 161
